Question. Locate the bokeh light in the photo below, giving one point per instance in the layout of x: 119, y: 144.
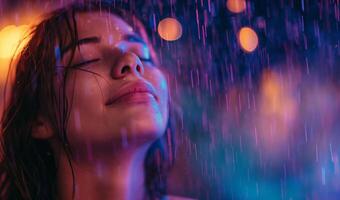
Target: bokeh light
x: 277, y: 112
x: 236, y: 6
x: 10, y: 38
x: 248, y: 39
x: 170, y: 29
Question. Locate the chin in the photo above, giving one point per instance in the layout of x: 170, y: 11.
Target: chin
x: 145, y: 130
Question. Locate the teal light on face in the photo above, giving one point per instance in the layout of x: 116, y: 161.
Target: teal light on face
x: 145, y: 52
x: 163, y: 84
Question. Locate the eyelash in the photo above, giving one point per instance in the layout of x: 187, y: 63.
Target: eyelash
x: 97, y: 59
x: 85, y: 62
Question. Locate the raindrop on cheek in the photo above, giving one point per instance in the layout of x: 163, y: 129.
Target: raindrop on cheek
x: 77, y: 120
x: 123, y: 134
x: 110, y: 39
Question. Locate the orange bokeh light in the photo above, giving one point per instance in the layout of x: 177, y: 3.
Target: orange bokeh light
x: 277, y: 112
x: 12, y: 40
x: 236, y: 6
x: 248, y: 39
x: 169, y: 29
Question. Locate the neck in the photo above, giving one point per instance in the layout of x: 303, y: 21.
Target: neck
x: 120, y: 177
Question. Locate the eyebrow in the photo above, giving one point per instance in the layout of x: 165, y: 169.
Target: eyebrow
x: 87, y: 40
x: 95, y: 39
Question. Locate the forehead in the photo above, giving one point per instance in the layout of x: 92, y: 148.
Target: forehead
x: 103, y: 24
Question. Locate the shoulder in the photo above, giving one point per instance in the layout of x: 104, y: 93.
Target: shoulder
x: 173, y: 197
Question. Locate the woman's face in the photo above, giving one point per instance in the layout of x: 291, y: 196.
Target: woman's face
x: 117, y: 96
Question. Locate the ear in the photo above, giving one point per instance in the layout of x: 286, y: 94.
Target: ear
x: 42, y: 129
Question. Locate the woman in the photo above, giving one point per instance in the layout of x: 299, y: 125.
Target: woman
x: 88, y: 112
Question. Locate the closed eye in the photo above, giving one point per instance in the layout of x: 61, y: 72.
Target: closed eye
x: 85, y: 63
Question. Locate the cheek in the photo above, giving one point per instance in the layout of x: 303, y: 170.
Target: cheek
x: 85, y: 99
x: 84, y: 89
x: 91, y: 120
x: 158, y: 80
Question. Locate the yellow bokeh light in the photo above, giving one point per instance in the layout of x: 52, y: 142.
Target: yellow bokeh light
x: 170, y: 29
x: 248, y: 39
x: 10, y: 37
x: 236, y: 6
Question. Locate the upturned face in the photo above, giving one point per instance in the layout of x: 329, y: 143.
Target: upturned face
x: 117, y: 95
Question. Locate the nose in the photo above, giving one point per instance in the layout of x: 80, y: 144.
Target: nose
x: 128, y: 64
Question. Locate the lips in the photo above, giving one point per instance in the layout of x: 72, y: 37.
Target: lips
x: 135, y: 92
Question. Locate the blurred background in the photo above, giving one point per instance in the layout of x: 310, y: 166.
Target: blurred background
x: 256, y: 84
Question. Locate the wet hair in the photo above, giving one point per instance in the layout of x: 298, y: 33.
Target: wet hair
x: 28, y: 169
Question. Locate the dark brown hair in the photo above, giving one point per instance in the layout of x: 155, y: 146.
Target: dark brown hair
x: 28, y: 168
